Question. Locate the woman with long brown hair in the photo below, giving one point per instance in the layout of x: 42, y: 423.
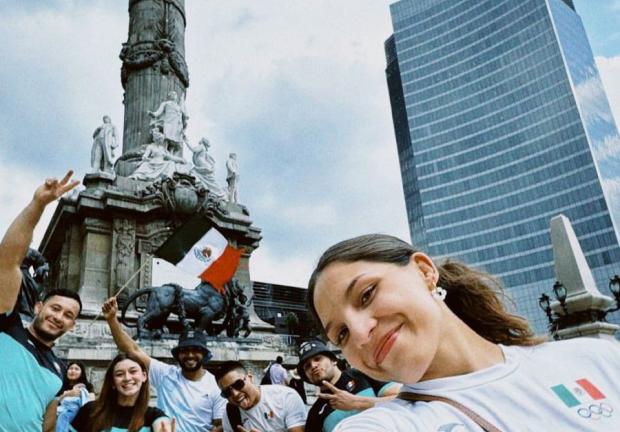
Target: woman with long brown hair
x: 122, y: 404
x: 466, y: 363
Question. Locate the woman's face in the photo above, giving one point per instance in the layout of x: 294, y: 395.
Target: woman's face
x: 382, y: 315
x: 74, y: 372
x: 128, y: 378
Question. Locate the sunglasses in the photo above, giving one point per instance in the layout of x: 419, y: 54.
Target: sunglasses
x: 237, y: 385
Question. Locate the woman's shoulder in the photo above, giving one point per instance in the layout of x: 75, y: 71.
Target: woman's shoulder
x: 393, y: 416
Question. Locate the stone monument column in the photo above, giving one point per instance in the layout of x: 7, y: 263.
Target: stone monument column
x: 153, y: 64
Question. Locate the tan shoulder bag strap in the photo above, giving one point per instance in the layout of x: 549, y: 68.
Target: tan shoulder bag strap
x: 485, y: 425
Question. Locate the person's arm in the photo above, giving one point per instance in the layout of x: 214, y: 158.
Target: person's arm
x: 296, y: 429
x: 343, y: 400
x: 123, y: 341
x: 18, y: 237
x: 49, y: 418
x: 217, y: 425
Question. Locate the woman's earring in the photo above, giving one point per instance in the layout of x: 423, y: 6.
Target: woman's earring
x: 439, y: 293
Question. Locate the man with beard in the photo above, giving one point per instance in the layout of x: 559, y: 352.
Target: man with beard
x: 343, y: 393
x: 30, y: 373
x: 187, y: 392
x: 258, y: 408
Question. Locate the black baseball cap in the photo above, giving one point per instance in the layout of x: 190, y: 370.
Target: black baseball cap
x: 309, y: 349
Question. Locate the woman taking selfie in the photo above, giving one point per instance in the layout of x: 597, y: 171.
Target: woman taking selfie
x: 123, y: 402
x: 76, y: 391
x: 467, y: 364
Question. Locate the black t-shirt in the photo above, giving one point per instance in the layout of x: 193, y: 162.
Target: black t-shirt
x: 323, y: 418
x: 82, y: 422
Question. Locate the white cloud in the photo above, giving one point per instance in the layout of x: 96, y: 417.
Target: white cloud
x: 16, y: 190
x: 591, y: 95
x: 609, y: 148
x: 612, y: 191
x: 609, y: 69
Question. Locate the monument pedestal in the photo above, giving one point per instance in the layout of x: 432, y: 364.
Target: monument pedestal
x: 584, y: 309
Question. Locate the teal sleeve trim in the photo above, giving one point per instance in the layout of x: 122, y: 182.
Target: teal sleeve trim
x: 383, y: 389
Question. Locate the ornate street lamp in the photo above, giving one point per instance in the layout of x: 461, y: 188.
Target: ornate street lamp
x: 614, y: 287
x: 561, y: 321
x: 545, y: 304
x: 560, y: 293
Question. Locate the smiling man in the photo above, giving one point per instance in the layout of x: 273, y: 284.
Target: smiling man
x: 343, y: 393
x: 30, y: 373
x: 187, y: 392
x: 258, y: 408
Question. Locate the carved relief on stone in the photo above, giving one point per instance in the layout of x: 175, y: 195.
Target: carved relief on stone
x: 123, y: 252
x: 183, y: 194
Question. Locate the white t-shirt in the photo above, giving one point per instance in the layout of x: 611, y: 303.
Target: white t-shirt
x: 279, y: 409
x: 278, y: 374
x: 195, y: 404
x: 571, y: 385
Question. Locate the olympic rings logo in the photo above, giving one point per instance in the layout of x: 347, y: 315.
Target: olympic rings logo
x: 596, y: 411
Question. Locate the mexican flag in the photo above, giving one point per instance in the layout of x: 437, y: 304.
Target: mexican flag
x: 198, y: 248
x: 573, y: 394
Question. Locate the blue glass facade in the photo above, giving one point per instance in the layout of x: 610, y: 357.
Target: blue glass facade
x: 502, y: 123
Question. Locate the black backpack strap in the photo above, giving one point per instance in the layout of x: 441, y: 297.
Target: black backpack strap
x: 234, y: 415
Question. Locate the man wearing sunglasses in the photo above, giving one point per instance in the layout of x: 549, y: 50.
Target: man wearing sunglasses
x: 258, y: 408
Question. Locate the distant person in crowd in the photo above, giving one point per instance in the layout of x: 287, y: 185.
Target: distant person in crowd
x: 296, y: 383
x: 466, y: 363
x: 343, y: 393
x: 277, y: 373
x: 187, y: 392
x: 30, y: 373
x: 258, y: 408
x: 76, y: 391
x: 123, y: 404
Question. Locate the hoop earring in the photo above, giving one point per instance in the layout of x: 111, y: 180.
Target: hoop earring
x: 439, y: 293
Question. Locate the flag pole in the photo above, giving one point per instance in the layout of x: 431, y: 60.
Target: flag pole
x: 146, y: 261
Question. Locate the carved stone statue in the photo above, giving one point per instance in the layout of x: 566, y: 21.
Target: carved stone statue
x: 104, y: 143
x: 157, y: 161
x: 32, y: 285
x: 238, y: 316
x: 171, y: 116
x: 204, y: 167
x: 232, y: 177
x: 203, y: 305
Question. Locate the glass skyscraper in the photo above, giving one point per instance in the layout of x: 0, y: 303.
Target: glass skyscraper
x: 501, y: 123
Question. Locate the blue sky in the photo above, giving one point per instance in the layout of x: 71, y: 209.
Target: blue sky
x: 296, y: 88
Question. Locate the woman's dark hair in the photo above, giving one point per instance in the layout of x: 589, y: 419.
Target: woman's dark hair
x: 104, y: 410
x: 83, y: 379
x: 474, y: 296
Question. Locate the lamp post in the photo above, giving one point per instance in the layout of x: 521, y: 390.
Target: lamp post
x: 545, y: 304
x: 566, y: 319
